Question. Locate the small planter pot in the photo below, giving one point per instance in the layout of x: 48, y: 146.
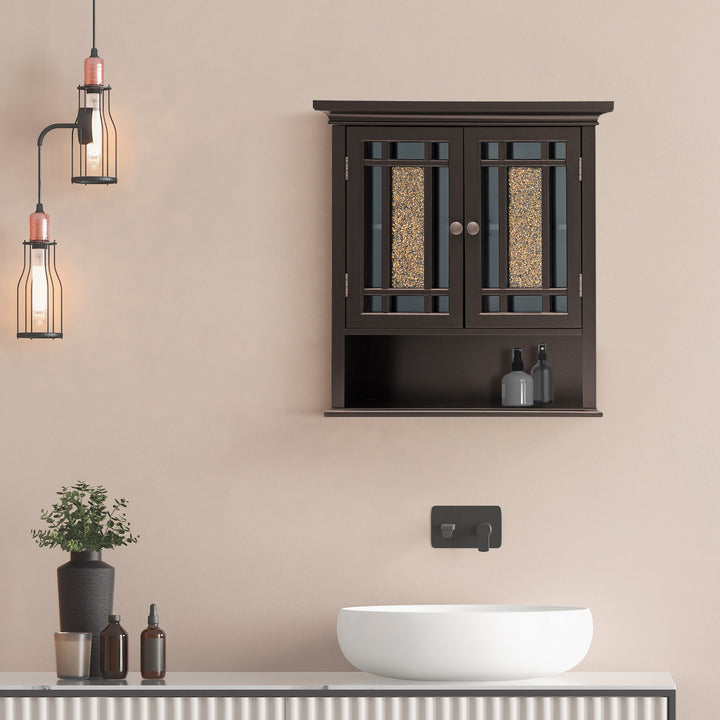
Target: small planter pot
x: 85, y: 596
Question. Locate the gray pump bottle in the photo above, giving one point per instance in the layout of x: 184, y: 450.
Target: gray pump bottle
x: 517, y: 386
x: 542, y: 375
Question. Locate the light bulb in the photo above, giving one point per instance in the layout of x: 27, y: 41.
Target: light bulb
x: 39, y: 290
x: 94, y: 149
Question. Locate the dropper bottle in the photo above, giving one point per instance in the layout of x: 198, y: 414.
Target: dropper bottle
x: 152, y: 648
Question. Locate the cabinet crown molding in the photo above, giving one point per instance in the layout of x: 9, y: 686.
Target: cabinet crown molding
x: 363, y: 112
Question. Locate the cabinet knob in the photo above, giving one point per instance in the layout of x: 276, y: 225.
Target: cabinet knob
x: 473, y: 228
x: 456, y: 228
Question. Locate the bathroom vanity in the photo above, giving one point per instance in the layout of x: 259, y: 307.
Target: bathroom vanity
x: 337, y: 696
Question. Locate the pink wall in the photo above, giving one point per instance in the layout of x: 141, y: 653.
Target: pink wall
x: 195, y: 367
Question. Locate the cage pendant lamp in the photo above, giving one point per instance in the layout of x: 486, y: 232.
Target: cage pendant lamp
x: 39, y: 290
x: 95, y: 162
x: 94, y: 155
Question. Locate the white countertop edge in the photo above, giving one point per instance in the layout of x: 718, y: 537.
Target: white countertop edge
x: 323, y: 682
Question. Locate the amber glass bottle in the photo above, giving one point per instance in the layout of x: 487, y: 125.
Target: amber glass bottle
x: 152, y: 648
x: 114, y: 650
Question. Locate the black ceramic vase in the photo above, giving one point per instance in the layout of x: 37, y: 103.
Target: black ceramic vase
x: 85, y: 595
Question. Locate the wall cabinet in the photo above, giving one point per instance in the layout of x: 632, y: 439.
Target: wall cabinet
x: 460, y: 231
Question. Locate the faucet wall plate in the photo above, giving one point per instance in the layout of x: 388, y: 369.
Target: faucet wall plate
x: 466, y: 519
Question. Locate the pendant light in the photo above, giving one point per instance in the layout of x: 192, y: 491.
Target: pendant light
x: 96, y: 160
x: 94, y: 143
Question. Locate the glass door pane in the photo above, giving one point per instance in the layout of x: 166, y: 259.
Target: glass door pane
x: 523, y: 265
x: 411, y: 191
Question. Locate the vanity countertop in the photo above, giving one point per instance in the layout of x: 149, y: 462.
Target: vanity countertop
x: 325, y: 684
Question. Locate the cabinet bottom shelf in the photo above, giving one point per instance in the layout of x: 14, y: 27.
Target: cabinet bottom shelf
x: 463, y: 412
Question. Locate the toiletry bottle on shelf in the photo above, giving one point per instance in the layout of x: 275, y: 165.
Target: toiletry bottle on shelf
x: 114, y: 650
x: 152, y: 648
x: 542, y: 375
x: 517, y: 386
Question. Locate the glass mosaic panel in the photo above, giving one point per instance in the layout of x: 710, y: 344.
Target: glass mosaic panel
x: 408, y: 228
x: 524, y: 227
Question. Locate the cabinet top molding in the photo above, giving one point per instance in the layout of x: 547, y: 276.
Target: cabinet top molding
x: 370, y: 112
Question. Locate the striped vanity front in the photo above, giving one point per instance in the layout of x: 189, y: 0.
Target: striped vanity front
x: 141, y: 708
x: 477, y: 708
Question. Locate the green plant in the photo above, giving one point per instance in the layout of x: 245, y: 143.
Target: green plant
x: 81, y: 521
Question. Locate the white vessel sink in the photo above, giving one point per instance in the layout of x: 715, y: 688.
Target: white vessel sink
x: 464, y: 642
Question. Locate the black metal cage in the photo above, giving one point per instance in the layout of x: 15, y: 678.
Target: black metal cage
x: 39, y: 293
x: 96, y: 160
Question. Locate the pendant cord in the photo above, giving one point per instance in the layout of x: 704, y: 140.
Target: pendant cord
x: 39, y: 204
x: 93, y: 25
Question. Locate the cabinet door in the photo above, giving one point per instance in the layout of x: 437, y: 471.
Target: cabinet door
x: 522, y: 227
x: 404, y: 189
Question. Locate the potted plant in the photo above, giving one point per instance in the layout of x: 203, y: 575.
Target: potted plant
x: 82, y: 524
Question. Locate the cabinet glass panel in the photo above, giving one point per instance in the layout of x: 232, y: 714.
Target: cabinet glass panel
x: 558, y: 304
x: 525, y: 227
x: 441, y: 304
x: 441, y: 213
x: 407, y: 304
x: 491, y: 303
x: 558, y: 226
x: 373, y: 226
x: 524, y: 150
x: 373, y: 303
x: 373, y: 150
x: 491, y: 226
x: 525, y: 303
x: 407, y: 151
x: 557, y: 150
x: 440, y: 151
x: 489, y: 150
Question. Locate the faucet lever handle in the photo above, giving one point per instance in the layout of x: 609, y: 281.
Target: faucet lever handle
x: 447, y: 530
x: 484, y: 531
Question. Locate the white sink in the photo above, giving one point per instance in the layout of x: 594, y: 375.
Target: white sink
x: 464, y: 642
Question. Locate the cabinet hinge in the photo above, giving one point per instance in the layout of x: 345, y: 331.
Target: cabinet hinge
x: 579, y: 168
x: 347, y: 167
x: 579, y: 283
x: 347, y: 285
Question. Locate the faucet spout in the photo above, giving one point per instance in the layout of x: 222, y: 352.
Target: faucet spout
x: 484, y: 531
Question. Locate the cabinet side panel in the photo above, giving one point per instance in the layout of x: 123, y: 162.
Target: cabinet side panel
x: 338, y: 266
x: 588, y: 266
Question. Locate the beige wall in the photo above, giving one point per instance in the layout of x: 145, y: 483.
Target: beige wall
x: 195, y: 366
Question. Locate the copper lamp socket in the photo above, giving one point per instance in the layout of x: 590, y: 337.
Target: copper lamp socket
x: 94, y: 72
x: 39, y: 222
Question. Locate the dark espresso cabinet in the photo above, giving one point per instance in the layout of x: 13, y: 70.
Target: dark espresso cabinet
x: 461, y: 231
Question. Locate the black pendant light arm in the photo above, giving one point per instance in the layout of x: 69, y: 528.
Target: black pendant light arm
x: 83, y: 124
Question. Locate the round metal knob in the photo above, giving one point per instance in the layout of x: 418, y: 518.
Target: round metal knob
x: 456, y: 228
x: 473, y: 228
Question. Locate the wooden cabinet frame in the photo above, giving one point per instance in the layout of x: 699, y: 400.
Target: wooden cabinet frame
x: 449, y: 363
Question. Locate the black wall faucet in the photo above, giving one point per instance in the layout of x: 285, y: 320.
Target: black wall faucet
x: 466, y: 526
